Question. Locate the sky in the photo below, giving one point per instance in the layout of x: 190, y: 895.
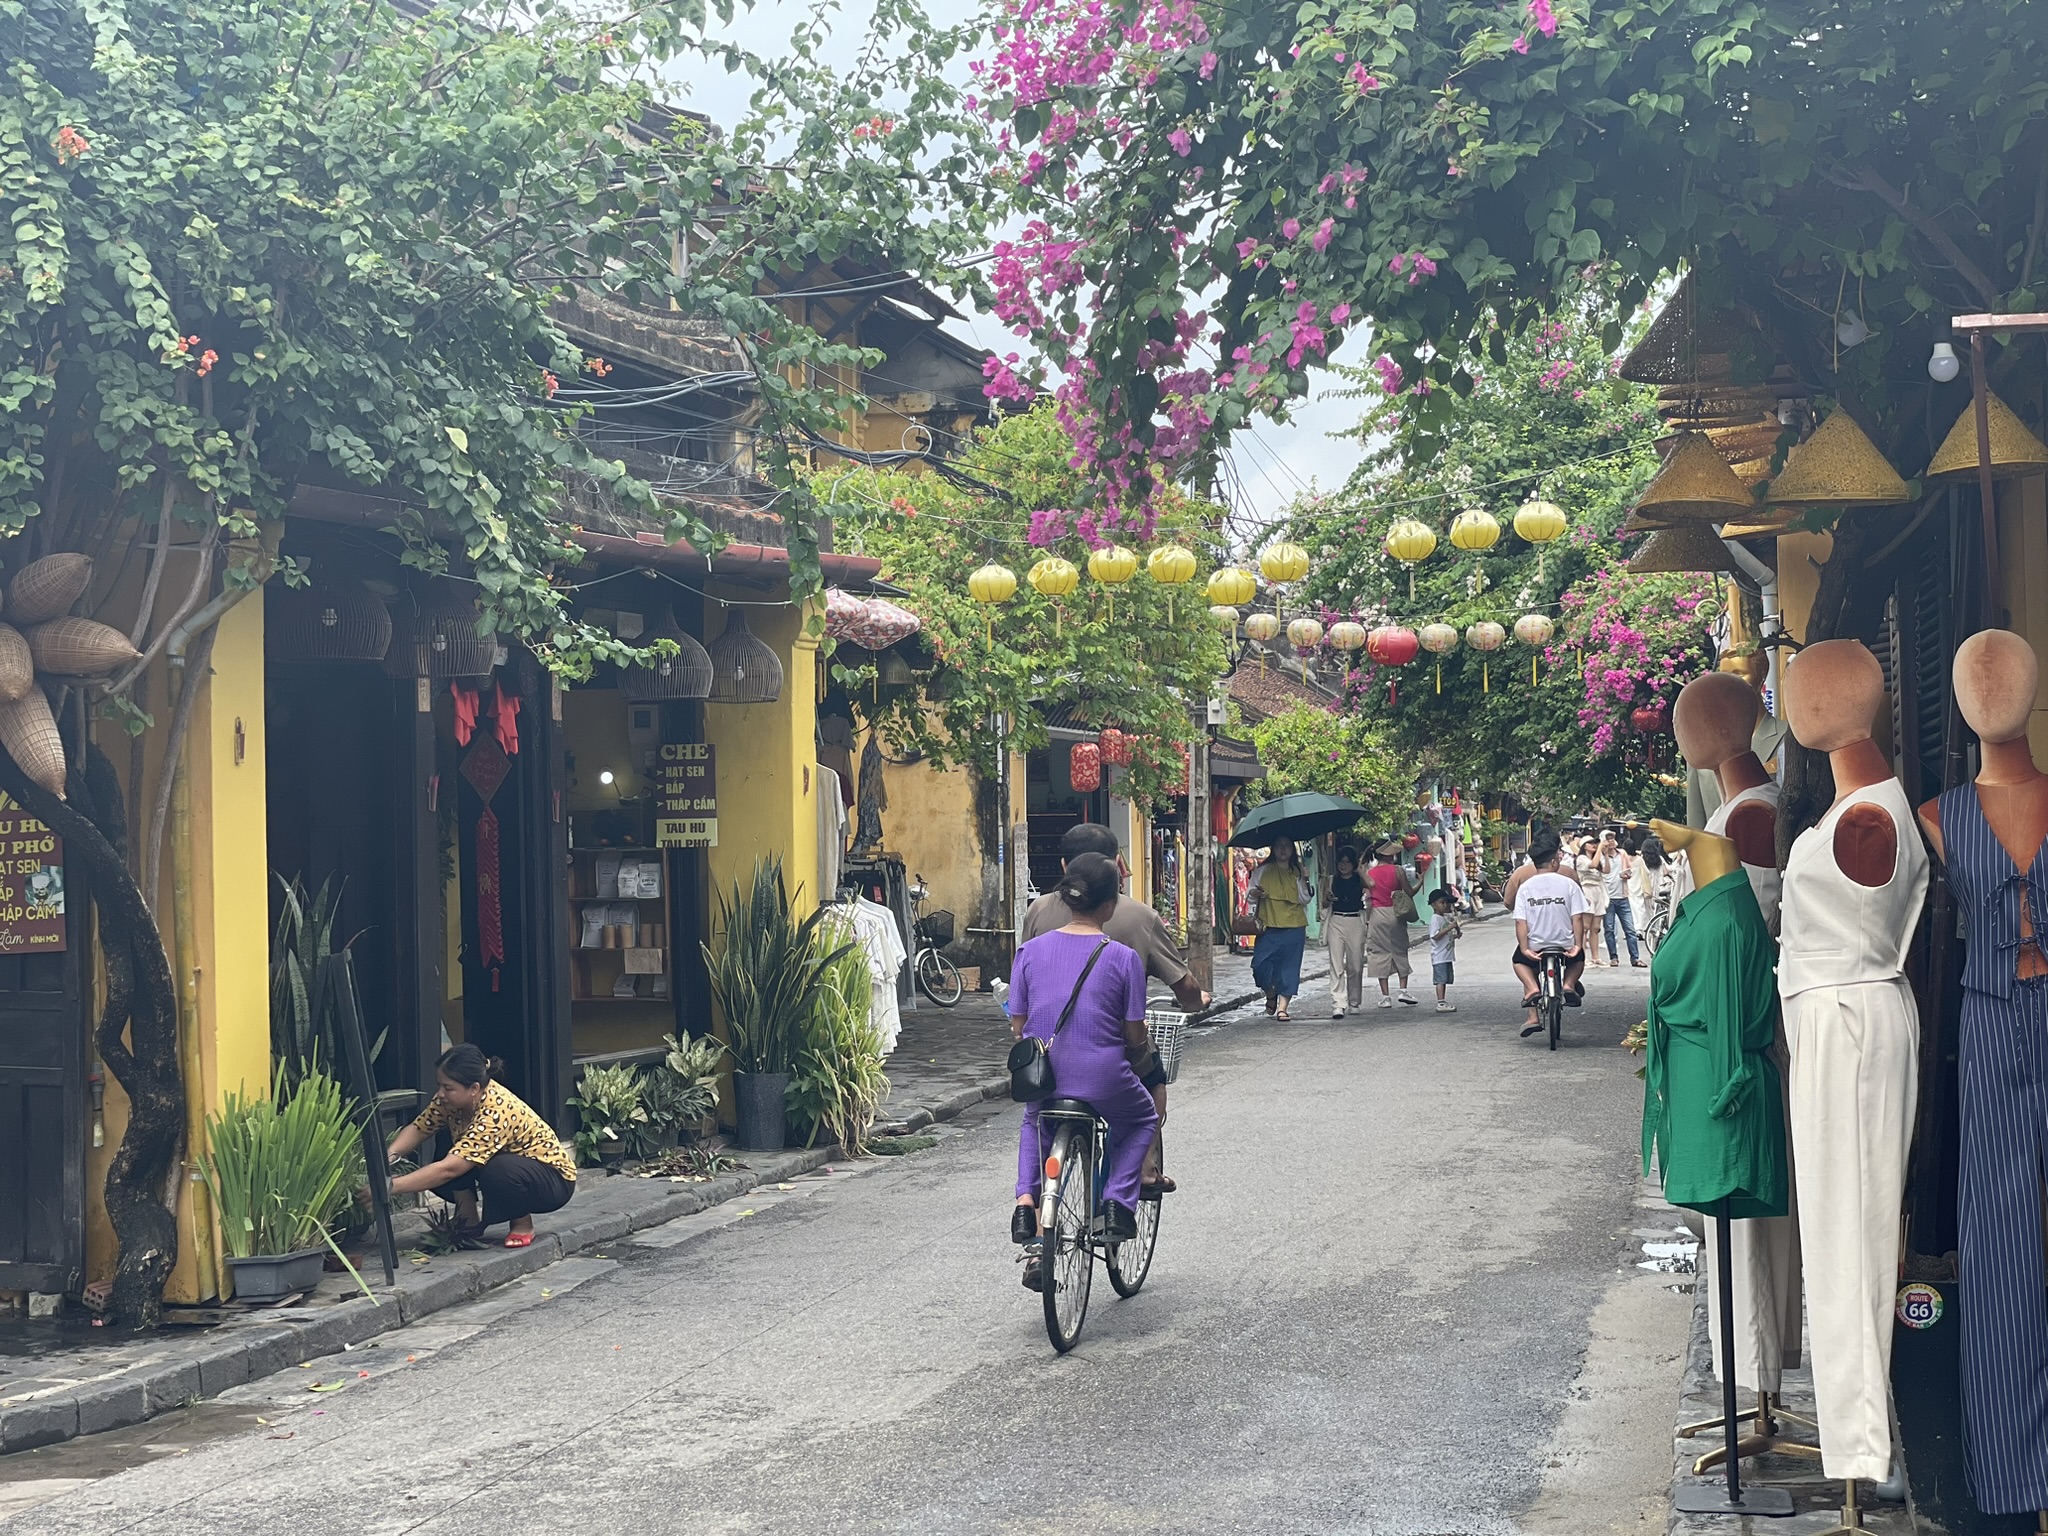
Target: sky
x: 1272, y: 463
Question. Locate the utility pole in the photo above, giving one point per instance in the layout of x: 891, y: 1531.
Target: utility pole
x: 1201, y: 882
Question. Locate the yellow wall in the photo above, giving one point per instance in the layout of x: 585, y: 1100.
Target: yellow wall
x: 765, y: 762
x: 1797, y: 579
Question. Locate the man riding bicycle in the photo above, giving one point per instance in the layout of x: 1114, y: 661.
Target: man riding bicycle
x: 1547, y: 910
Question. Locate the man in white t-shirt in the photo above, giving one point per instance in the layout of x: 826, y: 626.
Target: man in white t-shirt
x: 1547, y: 911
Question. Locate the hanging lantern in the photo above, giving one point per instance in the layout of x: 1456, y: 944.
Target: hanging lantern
x: 1409, y: 541
x: 1282, y: 563
x: 1304, y: 634
x: 1838, y: 467
x: 1539, y: 522
x: 990, y: 585
x: 1474, y: 530
x: 744, y: 669
x: 685, y: 675
x: 1053, y: 578
x: 1115, y: 745
x: 1686, y: 546
x: 1534, y: 630
x: 1439, y: 640
x: 1485, y: 636
x: 1346, y: 635
x: 1392, y: 645
x: 1112, y: 565
x: 1232, y: 587
x: 1225, y: 618
x: 1084, y: 767
x: 1261, y: 628
x: 447, y: 621
x: 1695, y: 483
x: 1650, y: 719
x: 1170, y: 565
x: 2014, y: 450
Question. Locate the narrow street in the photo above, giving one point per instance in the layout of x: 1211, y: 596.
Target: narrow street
x: 1398, y: 1293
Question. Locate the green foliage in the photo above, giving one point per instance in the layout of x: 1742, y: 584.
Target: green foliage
x: 839, y: 1081
x: 609, y: 1110
x: 682, y: 1091
x: 1306, y: 748
x: 1138, y: 656
x: 767, y: 969
x: 279, y: 1168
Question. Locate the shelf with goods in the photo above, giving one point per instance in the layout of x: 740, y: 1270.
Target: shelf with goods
x: 620, y: 931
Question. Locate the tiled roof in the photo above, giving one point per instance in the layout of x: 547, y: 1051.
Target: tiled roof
x: 1261, y: 693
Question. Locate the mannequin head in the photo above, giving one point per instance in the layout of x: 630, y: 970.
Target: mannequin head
x: 1996, y: 678
x: 1714, y: 718
x: 1833, y: 690
x: 1753, y: 667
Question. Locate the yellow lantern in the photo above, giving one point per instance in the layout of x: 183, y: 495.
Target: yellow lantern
x: 1054, y: 578
x: 1304, y: 634
x: 1474, y: 530
x: 1409, y: 541
x: 1539, y: 522
x: 1262, y: 626
x: 990, y: 585
x: 1224, y: 617
x: 1440, y: 640
x: 1534, y: 630
x: 1347, y: 636
x: 1485, y: 636
x: 1170, y: 565
x: 1233, y: 587
x: 1283, y: 562
x: 1112, y: 565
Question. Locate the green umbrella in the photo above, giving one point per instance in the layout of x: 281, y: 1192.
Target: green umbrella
x: 1297, y: 818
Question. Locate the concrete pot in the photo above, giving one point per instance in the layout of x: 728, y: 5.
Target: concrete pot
x: 266, y: 1276
x: 760, y: 1106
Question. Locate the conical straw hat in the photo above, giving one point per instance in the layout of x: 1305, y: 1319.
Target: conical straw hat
x: 2014, y: 450
x: 1689, y: 546
x: 1637, y: 523
x: 1695, y: 482
x: 1837, y: 467
x: 1761, y: 525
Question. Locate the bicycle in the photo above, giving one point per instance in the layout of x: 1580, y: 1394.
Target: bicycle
x: 1550, y: 986
x: 937, y: 977
x: 1072, y: 1221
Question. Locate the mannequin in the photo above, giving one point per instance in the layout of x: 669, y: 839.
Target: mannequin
x: 1854, y: 885
x: 1702, y: 786
x: 1989, y: 836
x: 1715, y: 720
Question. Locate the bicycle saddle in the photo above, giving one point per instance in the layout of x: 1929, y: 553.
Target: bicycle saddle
x: 1067, y: 1107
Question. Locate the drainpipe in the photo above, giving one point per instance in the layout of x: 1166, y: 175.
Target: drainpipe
x: 1766, y: 580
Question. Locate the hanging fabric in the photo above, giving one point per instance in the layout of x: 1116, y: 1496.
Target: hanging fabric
x: 505, y: 716
x: 467, y: 703
x: 486, y: 767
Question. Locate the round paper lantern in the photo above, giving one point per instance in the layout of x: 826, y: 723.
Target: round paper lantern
x: 1475, y: 530
x: 1539, y: 521
x: 1115, y: 745
x: 1485, y: 636
x: 1262, y: 626
x: 1283, y: 562
x: 1054, y: 577
x: 990, y: 585
x: 1305, y: 634
x: 1410, y: 840
x: 1649, y: 719
x: 1232, y: 587
x: 1347, y: 636
x: 1224, y: 617
x: 1113, y: 565
x: 1084, y: 767
x: 1439, y: 639
x: 1392, y: 645
x: 1408, y: 540
x: 1534, y: 629
x: 1171, y: 564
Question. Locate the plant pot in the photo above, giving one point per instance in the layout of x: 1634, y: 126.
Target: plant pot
x: 267, y: 1276
x: 761, y: 1108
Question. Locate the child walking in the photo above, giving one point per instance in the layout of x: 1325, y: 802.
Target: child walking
x: 1443, y: 947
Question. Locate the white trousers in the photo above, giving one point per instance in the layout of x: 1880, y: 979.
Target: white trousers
x: 1345, y: 934
x: 1855, y: 1054
x: 1765, y: 1255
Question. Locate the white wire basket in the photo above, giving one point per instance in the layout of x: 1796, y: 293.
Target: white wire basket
x: 1169, y: 1028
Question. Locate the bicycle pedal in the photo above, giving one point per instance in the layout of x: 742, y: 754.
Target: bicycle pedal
x: 1035, y: 1249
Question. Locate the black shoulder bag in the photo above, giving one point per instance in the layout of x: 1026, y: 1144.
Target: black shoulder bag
x: 1030, y: 1058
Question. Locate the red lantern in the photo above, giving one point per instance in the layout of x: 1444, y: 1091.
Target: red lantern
x: 1116, y: 746
x: 1084, y: 767
x: 1392, y: 645
x: 1410, y: 840
x: 1650, y: 719
x: 1424, y: 860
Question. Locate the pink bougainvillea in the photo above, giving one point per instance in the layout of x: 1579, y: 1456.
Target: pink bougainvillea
x: 1641, y: 638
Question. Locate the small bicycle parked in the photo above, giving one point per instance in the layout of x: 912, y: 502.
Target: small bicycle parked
x: 937, y: 977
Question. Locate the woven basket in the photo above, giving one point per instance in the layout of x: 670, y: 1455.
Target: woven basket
x: 1687, y: 546
x: 743, y: 669
x: 29, y: 733
x: 45, y: 588
x: 685, y: 675
x: 342, y: 622
x: 447, y: 622
x: 79, y: 648
x: 17, y: 665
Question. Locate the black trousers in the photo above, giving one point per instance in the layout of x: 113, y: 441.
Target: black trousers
x: 513, y: 1186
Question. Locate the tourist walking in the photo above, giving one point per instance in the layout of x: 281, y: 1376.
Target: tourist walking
x: 1344, y: 928
x: 1444, y: 933
x: 1390, y: 909
x: 1645, y: 874
x: 1620, y: 867
x: 1281, y: 895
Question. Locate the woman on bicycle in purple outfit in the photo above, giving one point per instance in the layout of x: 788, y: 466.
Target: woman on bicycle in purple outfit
x: 1096, y: 1057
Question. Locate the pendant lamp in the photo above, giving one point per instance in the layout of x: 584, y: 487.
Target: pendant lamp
x: 2015, y: 451
x: 1694, y: 483
x: 1761, y: 526
x: 1635, y: 522
x: 447, y: 623
x: 685, y: 675
x: 743, y: 668
x: 342, y: 621
x: 1688, y: 546
x: 1838, y: 467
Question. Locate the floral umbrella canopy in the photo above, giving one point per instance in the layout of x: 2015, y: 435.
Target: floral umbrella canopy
x: 873, y: 623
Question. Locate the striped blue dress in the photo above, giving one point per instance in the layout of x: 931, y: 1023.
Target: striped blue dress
x: 2002, y: 1056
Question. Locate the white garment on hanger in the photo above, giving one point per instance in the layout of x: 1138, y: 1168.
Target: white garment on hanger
x: 831, y: 831
x: 875, y: 925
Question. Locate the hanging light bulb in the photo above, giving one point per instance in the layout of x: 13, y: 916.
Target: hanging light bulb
x: 1943, y: 364
x: 1852, y: 330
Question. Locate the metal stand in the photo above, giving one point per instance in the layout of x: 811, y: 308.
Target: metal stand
x: 1852, y: 1516
x: 1729, y: 1498
x: 1766, y: 1441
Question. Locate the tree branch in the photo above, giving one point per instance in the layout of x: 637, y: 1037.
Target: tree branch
x: 1936, y: 236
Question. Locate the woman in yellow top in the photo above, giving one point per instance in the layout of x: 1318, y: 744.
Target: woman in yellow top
x: 1282, y: 894
x: 503, y: 1151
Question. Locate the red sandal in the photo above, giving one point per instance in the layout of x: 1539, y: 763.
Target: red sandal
x: 519, y: 1239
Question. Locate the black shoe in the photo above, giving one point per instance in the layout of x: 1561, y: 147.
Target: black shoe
x: 1119, y: 1222
x: 1531, y: 1029
x: 1572, y: 999
x: 1034, y: 1275
x: 1023, y: 1224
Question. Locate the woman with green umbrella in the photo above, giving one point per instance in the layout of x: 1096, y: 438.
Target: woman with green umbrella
x: 1280, y: 895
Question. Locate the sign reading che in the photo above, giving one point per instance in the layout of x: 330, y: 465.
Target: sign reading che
x: 686, y: 796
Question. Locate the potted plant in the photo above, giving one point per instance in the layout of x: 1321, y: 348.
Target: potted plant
x: 680, y: 1093
x: 279, y: 1170
x: 766, y: 974
x: 839, y: 1081
x: 610, y: 1116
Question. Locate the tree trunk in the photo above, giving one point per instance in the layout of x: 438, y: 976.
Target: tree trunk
x: 141, y: 1005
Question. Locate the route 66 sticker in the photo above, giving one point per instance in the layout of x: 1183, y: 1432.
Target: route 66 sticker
x: 1919, y: 1305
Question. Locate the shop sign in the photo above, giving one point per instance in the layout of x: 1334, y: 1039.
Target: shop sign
x: 31, y: 886
x: 1919, y: 1305
x: 686, y: 796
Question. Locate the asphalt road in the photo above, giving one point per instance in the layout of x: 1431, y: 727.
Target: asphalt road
x: 1398, y: 1293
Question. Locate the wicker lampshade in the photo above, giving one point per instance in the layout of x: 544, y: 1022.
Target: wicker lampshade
x: 2015, y: 451
x: 46, y: 588
x: 1687, y: 546
x: 1760, y: 525
x: 1635, y: 522
x: 447, y: 623
x: 341, y: 622
x: 743, y: 668
x: 1695, y: 483
x: 685, y: 675
x: 1838, y: 467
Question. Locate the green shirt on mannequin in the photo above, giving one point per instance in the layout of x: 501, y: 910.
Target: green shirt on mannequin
x: 1713, y: 1105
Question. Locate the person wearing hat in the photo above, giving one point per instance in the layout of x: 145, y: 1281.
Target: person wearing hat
x: 1390, y: 907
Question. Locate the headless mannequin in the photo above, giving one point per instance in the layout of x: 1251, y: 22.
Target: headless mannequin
x: 1832, y: 693
x: 1711, y: 857
x: 1714, y: 720
x: 1996, y: 678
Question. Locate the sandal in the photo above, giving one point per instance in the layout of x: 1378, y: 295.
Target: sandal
x: 1154, y: 1188
x: 519, y: 1239
x: 1530, y: 1001
x: 1283, y: 1017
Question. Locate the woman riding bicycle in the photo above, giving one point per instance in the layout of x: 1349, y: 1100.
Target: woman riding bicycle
x: 1095, y: 1057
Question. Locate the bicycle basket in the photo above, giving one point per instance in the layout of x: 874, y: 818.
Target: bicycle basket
x: 1169, y: 1028
x: 936, y: 928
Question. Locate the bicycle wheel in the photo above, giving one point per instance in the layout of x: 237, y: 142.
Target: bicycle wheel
x: 1129, y: 1262
x: 938, y: 978
x: 1554, y: 1005
x: 1067, y: 1262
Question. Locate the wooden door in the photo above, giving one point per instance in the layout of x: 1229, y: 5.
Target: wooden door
x: 43, y: 1106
